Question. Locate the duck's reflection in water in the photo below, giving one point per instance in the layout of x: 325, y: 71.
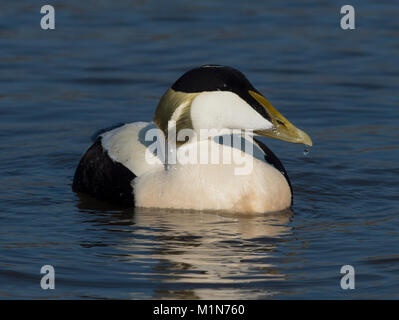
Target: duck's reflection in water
x: 210, y: 255
x: 200, y: 255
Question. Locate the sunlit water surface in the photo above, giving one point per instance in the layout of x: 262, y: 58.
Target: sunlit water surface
x: 109, y: 62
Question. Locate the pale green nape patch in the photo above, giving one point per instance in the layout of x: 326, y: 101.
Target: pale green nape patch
x: 184, y: 122
x: 167, y: 106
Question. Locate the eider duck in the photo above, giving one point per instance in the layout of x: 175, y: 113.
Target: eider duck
x: 170, y: 162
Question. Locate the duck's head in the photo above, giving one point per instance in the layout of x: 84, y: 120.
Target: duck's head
x: 219, y: 97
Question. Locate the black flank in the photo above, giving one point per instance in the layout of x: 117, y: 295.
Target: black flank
x: 101, y: 177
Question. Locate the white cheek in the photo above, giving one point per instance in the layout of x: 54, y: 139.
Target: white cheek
x: 224, y: 109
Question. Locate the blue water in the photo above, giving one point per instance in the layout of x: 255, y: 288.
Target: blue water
x: 110, y: 61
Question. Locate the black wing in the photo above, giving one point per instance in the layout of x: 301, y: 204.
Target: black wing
x: 101, y: 177
x: 271, y: 158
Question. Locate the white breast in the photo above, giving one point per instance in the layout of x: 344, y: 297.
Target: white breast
x: 215, y: 186
x: 245, y: 184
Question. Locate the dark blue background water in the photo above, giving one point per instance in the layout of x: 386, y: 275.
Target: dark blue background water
x: 110, y: 61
